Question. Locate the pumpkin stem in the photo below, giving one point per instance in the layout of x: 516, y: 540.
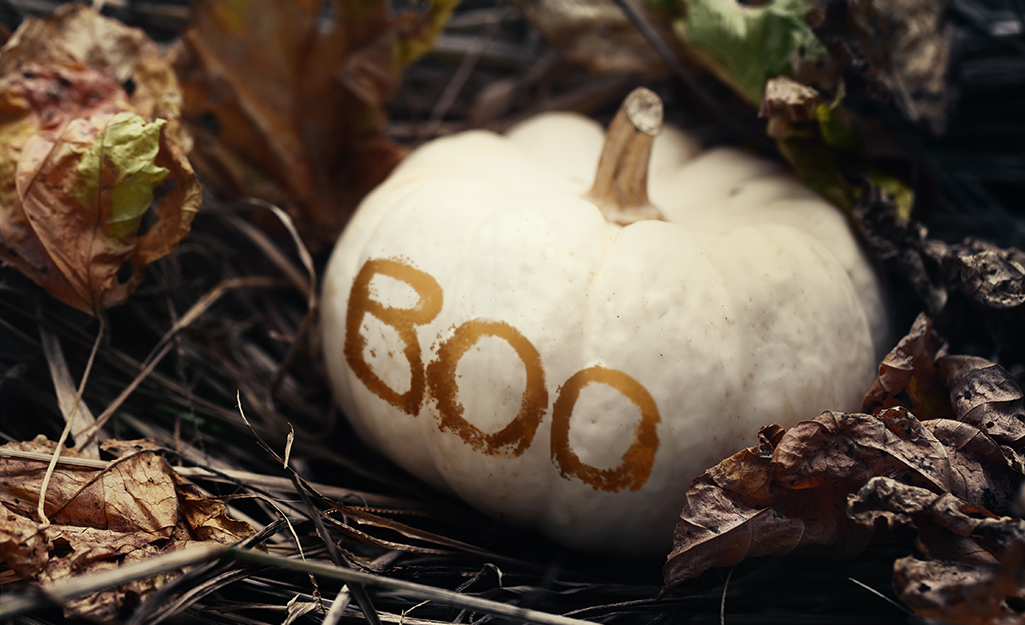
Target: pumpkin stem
x: 620, y: 188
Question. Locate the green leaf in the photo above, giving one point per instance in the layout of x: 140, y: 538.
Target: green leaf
x: 121, y: 162
x: 751, y: 44
x: 834, y: 132
x: 903, y: 195
x: 413, y: 43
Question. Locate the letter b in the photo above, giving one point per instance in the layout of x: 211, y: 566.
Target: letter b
x: 402, y: 320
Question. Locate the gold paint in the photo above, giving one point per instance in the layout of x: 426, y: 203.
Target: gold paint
x: 402, y: 320
x: 514, y: 438
x: 635, y: 468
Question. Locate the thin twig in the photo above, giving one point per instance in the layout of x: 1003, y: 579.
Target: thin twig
x: 61, y: 592
x: 72, y: 409
x: 406, y: 588
x: 725, y: 588
x: 164, y: 345
x: 247, y: 478
x: 44, y: 522
x: 359, y: 593
x: 882, y: 596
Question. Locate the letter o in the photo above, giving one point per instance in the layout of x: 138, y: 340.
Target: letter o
x: 517, y: 435
x: 638, y: 460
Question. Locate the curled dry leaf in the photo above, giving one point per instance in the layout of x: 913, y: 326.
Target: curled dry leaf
x: 94, y: 179
x: 793, y: 489
x: 919, y: 375
x: 987, y: 396
x: 286, y: 102
x: 955, y: 592
x: 22, y: 545
x: 908, y: 376
x: 135, y: 508
x: 974, y: 287
x: 975, y: 558
x: 991, y: 275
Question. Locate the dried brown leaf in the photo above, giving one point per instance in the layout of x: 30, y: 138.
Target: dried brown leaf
x: 851, y: 448
x: 112, y: 604
x: 907, y: 375
x: 94, y: 179
x: 987, y: 396
x: 205, y: 518
x: 980, y: 473
x: 905, y: 46
x: 973, y: 288
x: 134, y: 508
x: 791, y: 490
x: 21, y: 479
x: 993, y: 276
x: 955, y: 592
x: 976, y: 557
x: 22, y: 546
x: 286, y: 102
x: 919, y: 375
x: 727, y: 516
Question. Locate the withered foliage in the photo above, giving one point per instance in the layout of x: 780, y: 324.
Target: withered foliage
x: 900, y: 48
x: 973, y: 288
x: 94, y: 179
x: 137, y: 507
x: 286, y: 103
x: 938, y: 448
x: 932, y: 465
x: 971, y: 559
x: 791, y: 490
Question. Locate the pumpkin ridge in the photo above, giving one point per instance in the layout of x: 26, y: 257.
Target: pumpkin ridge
x: 709, y: 316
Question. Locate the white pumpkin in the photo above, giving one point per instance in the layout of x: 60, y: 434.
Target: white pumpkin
x: 489, y: 326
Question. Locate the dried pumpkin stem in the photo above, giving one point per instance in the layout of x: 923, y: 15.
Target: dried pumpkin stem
x: 621, y: 183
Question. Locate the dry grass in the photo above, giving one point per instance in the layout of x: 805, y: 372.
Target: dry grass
x: 228, y: 316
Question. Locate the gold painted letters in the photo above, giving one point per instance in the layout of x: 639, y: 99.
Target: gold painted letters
x: 403, y: 320
x: 439, y: 378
